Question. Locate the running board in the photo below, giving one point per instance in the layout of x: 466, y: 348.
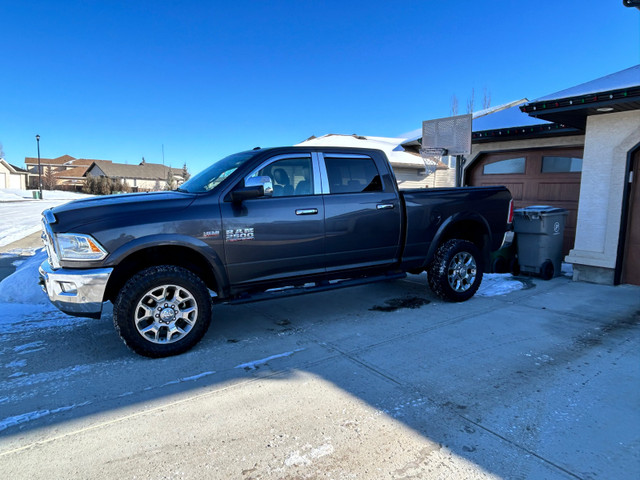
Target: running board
x: 309, y: 288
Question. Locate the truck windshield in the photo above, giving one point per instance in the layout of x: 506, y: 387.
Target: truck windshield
x: 213, y: 176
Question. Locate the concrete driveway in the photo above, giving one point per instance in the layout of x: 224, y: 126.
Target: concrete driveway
x: 539, y: 383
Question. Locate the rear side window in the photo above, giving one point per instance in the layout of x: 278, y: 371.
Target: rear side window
x: 352, y: 175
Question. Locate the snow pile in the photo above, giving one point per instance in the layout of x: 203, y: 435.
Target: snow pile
x: 7, y: 196
x: 494, y: 284
x: 14, y: 194
x: 22, y: 286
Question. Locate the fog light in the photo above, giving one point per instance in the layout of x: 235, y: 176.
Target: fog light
x: 68, y: 287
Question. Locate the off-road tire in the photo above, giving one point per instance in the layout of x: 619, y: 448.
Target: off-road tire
x: 443, y: 272
x: 128, y: 309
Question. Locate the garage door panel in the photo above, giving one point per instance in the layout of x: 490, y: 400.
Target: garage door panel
x: 559, y: 189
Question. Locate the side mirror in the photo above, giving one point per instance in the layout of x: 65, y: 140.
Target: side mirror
x: 254, y: 187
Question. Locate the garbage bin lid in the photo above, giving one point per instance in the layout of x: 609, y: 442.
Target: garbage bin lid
x: 540, y: 210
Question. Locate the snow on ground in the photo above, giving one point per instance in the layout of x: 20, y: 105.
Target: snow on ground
x: 22, y: 286
x: 20, y: 215
x: 494, y: 284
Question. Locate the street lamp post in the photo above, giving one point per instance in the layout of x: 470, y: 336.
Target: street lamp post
x: 39, y: 168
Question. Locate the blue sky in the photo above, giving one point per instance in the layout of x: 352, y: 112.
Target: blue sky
x: 116, y: 80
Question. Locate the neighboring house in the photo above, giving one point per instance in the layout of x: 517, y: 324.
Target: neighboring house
x: 68, y: 171
x: 578, y: 149
x: 11, y: 176
x: 142, y: 177
x: 408, y: 166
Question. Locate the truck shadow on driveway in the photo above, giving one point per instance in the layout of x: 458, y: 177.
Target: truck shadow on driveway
x: 507, y: 386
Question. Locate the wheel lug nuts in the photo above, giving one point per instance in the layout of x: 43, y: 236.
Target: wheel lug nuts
x: 157, y: 316
x: 166, y: 305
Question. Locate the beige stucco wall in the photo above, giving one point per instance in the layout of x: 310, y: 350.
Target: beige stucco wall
x: 609, y: 138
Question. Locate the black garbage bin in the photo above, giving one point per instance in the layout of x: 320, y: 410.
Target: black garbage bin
x: 539, y: 231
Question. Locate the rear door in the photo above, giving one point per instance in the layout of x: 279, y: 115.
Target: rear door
x: 276, y: 237
x: 362, y: 218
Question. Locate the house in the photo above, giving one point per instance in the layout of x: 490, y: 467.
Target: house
x: 409, y: 167
x: 142, y: 177
x: 578, y: 149
x: 68, y: 171
x: 11, y: 176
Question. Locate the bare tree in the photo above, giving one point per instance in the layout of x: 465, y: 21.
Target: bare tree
x: 2, y: 151
x: 471, y: 101
x: 454, y: 105
x: 486, y: 99
x: 49, y: 180
x: 185, y: 172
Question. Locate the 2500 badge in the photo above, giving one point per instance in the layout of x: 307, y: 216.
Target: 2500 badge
x: 239, y: 234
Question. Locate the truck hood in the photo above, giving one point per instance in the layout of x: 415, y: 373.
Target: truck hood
x: 78, y: 214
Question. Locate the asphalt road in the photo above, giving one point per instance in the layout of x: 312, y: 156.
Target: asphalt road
x: 540, y: 383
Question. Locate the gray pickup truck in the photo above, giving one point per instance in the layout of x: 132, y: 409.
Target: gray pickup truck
x: 259, y: 224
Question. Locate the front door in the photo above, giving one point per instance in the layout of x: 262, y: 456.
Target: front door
x: 631, y: 259
x: 270, y: 238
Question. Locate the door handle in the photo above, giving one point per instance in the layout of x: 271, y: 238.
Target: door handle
x: 307, y: 211
x: 384, y: 206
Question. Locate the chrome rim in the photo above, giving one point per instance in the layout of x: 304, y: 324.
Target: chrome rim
x: 166, y: 314
x: 462, y: 272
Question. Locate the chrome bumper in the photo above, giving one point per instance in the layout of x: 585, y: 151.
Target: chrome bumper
x: 75, y: 292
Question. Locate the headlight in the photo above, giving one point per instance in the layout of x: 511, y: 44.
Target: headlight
x: 79, y: 247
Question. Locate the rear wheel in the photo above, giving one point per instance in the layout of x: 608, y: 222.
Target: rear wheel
x: 456, y: 272
x: 162, y: 311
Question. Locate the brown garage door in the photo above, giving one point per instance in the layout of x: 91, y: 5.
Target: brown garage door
x: 536, y: 177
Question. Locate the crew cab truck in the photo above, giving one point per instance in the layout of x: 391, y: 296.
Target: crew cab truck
x: 261, y: 223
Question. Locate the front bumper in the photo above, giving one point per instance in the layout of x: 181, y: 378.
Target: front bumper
x: 75, y: 292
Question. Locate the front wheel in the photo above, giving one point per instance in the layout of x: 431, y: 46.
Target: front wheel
x: 456, y: 271
x: 162, y: 311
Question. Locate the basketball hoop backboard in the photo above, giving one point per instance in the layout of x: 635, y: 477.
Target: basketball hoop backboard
x: 451, y: 134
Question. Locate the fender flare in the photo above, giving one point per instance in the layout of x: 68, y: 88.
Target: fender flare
x: 173, y: 240
x: 450, y: 223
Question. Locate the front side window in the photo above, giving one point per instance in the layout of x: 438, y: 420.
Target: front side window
x: 505, y: 167
x: 290, y: 176
x: 352, y: 175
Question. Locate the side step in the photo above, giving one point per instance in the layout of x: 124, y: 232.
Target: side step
x: 309, y: 288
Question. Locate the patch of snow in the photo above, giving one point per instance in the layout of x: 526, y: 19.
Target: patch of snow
x: 256, y: 363
x: 16, y: 364
x: 494, y: 284
x: 30, y: 416
x: 28, y: 346
x: 567, y: 269
x: 180, y: 380
x: 22, y: 286
x: 295, y: 458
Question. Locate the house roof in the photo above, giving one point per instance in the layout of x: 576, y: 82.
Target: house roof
x: 146, y: 171
x: 397, y: 155
x: 513, y: 124
x: 75, y: 172
x: 63, y: 160
x: 12, y: 168
x: 617, y: 92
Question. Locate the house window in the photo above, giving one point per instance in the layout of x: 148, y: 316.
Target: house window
x: 352, y: 175
x: 505, y: 167
x: 561, y: 164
